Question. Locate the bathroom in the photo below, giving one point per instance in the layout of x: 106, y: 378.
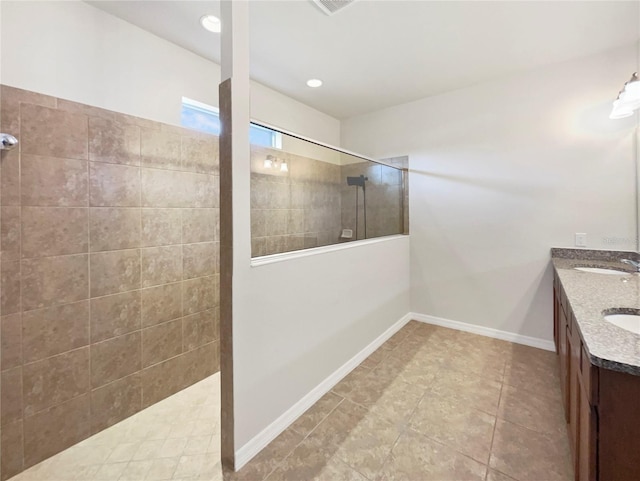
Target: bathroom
x: 153, y: 269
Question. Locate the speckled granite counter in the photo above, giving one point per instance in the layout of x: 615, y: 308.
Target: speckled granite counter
x: 589, y: 294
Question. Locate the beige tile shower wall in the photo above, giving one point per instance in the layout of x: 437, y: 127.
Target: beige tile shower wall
x: 385, y: 201
x: 109, y: 270
x: 403, y: 163
x: 293, y: 210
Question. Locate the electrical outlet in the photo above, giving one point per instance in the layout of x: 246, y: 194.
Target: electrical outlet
x: 581, y: 239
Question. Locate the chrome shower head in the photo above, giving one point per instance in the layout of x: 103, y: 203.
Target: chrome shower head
x: 359, y: 181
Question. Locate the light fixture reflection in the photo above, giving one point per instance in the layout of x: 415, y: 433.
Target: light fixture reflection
x: 272, y: 162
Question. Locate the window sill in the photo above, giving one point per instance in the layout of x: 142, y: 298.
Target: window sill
x: 285, y: 256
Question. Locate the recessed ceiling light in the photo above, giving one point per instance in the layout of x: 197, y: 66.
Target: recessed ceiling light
x: 314, y: 83
x: 211, y: 23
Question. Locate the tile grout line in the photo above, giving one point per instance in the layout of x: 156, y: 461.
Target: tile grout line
x: 281, y: 462
x: 182, y: 279
x: 139, y: 167
x: 407, y: 426
x: 495, y: 425
x: 21, y: 307
x: 89, y: 217
x: 343, y: 398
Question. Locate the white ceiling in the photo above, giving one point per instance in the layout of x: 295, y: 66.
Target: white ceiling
x: 375, y: 54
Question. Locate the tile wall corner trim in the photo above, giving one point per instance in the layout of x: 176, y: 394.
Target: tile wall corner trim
x: 485, y: 331
x: 245, y: 453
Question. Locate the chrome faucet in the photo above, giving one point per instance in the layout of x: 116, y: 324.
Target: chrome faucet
x: 631, y: 263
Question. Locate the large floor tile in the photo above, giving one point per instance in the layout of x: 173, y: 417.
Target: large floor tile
x: 417, y: 458
x: 452, y: 421
x: 530, y: 456
x: 333, y: 470
x: 336, y: 427
x: 398, y: 402
x: 351, y: 381
x: 530, y: 356
x: 477, y: 391
x: 306, y: 462
x: 537, y: 377
x: 316, y: 413
x: 493, y: 475
x: 376, y: 357
x: 370, y: 387
x: 536, y: 412
x: 269, y: 458
x: 368, y: 444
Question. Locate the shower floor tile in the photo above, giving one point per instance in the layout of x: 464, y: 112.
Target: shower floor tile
x: 176, y: 439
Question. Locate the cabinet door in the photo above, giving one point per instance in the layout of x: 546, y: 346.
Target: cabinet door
x: 556, y: 318
x: 587, y: 429
x: 564, y: 364
x: 574, y: 392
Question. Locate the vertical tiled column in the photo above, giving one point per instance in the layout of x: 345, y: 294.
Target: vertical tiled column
x: 235, y: 204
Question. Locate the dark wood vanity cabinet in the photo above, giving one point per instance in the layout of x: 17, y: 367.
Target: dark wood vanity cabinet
x: 602, y: 407
x: 576, y: 382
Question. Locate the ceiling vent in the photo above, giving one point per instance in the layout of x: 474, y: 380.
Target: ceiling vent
x: 332, y: 6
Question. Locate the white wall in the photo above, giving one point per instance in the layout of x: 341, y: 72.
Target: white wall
x: 74, y: 51
x: 502, y: 171
x: 301, y: 319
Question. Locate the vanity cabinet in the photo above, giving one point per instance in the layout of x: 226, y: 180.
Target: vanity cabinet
x: 600, y: 405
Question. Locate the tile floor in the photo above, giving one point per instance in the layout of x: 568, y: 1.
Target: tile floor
x: 175, y: 439
x: 430, y: 404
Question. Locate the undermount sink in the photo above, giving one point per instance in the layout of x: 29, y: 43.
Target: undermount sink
x: 602, y: 270
x: 629, y: 321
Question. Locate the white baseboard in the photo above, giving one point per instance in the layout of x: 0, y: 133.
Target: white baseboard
x: 244, y: 454
x: 485, y: 331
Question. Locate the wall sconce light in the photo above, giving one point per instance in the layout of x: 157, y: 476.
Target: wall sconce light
x: 628, y: 99
x: 272, y: 162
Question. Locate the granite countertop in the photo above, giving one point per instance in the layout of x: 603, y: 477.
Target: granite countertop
x: 590, y: 294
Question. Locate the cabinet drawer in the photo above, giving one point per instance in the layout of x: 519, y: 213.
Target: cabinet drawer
x: 589, y: 376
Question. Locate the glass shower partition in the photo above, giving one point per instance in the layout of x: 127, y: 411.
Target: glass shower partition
x: 305, y: 194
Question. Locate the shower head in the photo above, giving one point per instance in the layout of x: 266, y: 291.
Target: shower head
x: 359, y: 181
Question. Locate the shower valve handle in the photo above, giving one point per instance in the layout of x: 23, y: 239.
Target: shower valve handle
x: 7, y: 142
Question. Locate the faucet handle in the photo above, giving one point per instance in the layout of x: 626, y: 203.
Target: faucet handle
x: 635, y: 264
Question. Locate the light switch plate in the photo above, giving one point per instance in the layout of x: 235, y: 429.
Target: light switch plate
x: 581, y: 239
